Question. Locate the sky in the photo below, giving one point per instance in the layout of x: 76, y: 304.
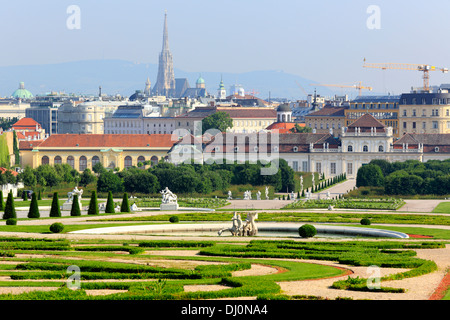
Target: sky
x: 322, y: 40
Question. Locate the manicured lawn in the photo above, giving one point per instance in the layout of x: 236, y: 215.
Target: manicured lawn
x: 443, y: 207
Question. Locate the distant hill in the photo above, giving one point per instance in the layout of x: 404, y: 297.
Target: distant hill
x: 125, y: 77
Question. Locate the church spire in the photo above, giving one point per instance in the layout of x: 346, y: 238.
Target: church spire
x: 165, y: 46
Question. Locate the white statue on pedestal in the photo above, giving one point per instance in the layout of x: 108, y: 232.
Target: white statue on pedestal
x: 238, y: 229
x: 229, y: 195
x: 258, y: 195
x: 168, y: 196
x: 75, y: 192
x: 267, y: 193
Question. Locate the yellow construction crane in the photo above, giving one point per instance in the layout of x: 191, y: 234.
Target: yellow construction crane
x: 355, y: 86
x: 425, y: 68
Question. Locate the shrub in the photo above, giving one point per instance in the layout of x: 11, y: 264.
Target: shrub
x: 34, y: 208
x: 109, y: 203
x: 55, y: 210
x: 307, y: 231
x: 2, y: 204
x: 174, y: 219
x: 57, y: 227
x: 93, y: 206
x: 11, y: 222
x: 125, y: 207
x: 365, y: 221
x: 10, y: 210
x: 75, y: 211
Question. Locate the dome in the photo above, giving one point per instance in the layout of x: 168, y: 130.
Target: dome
x: 284, y: 108
x: 200, y: 80
x: 22, y: 93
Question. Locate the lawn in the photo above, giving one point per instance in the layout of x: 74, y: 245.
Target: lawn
x: 443, y: 207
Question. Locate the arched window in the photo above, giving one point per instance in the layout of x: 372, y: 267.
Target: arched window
x: 95, y: 160
x: 45, y: 160
x: 141, y: 159
x: 57, y: 160
x: 71, y: 161
x: 350, y: 148
x: 380, y: 149
x: 365, y: 148
x: 83, y: 163
x: 154, y: 160
x: 128, y: 162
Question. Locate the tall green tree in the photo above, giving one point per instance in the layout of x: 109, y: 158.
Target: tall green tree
x: 370, y: 176
x: 55, y: 210
x: 75, y: 210
x: 125, y: 207
x: 219, y: 120
x: 93, y: 206
x: 33, y: 212
x: 10, y: 210
x: 109, y: 203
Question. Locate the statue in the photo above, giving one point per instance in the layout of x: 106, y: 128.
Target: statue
x: 229, y: 195
x: 258, y: 195
x: 247, y: 195
x: 237, y: 229
x: 301, y: 184
x: 169, y: 200
x: 168, y: 196
x: 267, y: 193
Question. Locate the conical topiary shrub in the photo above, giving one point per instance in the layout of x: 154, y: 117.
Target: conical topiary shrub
x: 39, y: 195
x: 55, y: 210
x: 109, y: 203
x: 33, y: 212
x: 125, y: 207
x: 93, y: 206
x: 24, y: 195
x: 75, y: 211
x: 10, y: 210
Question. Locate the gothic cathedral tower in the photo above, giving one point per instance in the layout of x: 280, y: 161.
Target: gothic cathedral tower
x: 165, y: 82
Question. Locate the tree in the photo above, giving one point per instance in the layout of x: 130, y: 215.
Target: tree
x: 33, y: 212
x: 39, y: 195
x: 55, y: 210
x: 370, y: 176
x: 10, y: 210
x: 75, y: 211
x: 109, y: 203
x: 108, y: 181
x: 140, y: 181
x: 298, y: 129
x: 219, y: 120
x: 2, y: 204
x: 28, y: 177
x: 93, y: 206
x: 16, y: 149
x: 87, y: 177
x: 125, y: 207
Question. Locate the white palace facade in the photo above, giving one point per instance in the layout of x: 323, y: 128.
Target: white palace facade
x: 359, y: 143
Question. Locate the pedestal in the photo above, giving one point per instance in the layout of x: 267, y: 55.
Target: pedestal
x: 168, y: 206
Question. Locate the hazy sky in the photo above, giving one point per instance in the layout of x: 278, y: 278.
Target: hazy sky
x: 325, y: 41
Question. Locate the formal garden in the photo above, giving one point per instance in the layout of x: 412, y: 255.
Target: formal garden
x: 43, y: 259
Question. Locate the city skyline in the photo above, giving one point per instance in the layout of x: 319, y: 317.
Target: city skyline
x: 323, y: 41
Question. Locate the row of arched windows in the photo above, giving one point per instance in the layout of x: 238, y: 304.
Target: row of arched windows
x: 83, y: 162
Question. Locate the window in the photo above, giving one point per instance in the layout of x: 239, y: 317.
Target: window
x: 435, y: 125
x: 333, y: 168
x: 424, y: 125
x: 141, y: 159
x: 83, y: 163
x: 128, y: 162
x: 404, y: 125
x: 305, y: 166
x: 349, y: 168
x: 295, y: 165
x: 45, y: 160
x: 448, y: 124
x: 350, y: 148
x: 318, y: 167
x: 414, y: 112
x: 404, y: 113
x: 154, y: 160
x: 71, y: 161
x: 365, y: 148
x: 414, y: 125
x: 380, y: 148
x: 95, y: 160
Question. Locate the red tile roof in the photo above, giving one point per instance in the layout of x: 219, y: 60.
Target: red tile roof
x: 283, y: 127
x: 108, y: 141
x: 3, y: 170
x: 365, y: 123
x: 328, y: 112
x: 26, y: 124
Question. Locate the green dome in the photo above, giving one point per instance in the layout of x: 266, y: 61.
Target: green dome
x: 22, y: 93
x: 200, y: 80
